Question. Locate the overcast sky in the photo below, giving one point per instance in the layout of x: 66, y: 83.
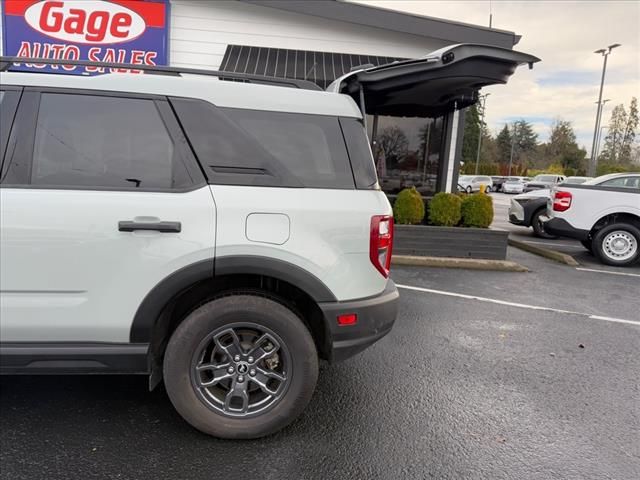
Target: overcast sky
x: 564, y: 35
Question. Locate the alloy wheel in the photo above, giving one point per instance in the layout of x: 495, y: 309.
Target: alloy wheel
x: 241, y: 370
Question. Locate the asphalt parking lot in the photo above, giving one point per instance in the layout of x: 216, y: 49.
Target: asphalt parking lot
x: 474, y: 381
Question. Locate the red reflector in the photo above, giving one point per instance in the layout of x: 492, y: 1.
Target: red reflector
x: 348, y: 319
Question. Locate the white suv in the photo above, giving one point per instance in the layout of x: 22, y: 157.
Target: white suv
x: 220, y: 231
x: 219, y: 235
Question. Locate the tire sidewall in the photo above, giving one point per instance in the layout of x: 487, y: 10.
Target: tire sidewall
x: 603, y: 232
x: 537, y: 228
x: 218, y: 313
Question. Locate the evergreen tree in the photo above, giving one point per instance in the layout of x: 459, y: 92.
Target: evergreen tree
x: 472, y: 131
x: 503, y: 144
x: 562, y: 148
x: 615, y: 135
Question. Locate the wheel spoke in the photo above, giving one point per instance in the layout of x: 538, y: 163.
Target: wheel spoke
x: 262, y: 379
x: 232, y: 345
x: 218, y: 371
x: 264, y: 347
x: 238, y: 390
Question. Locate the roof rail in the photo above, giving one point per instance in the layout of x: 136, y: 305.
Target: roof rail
x: 7, y: 62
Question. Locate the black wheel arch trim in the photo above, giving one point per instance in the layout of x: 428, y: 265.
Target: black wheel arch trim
x: 156, y: 300
x: 275, y: 268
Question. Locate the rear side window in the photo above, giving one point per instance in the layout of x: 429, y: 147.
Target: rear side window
x: 309, y: 146
x: 251, y: 147
x: 102, y: 141
x: 364, y: 171
x: 8, y: 103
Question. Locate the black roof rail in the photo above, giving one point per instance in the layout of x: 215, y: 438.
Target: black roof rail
x: 7, y: 62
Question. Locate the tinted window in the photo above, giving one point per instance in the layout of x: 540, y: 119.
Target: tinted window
x: 544, y: 178
x: 311, y: 147
x: 8, y: 103
x: 364, y: 171
x: 94, y: 141
x: 248, y: 147
x: 624, y: 182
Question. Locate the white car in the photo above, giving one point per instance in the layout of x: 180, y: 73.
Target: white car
x: 514, y: 185
x: 472, y: 183
x: 603, y: 213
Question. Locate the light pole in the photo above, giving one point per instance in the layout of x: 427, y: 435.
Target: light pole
x: 513, y: 142
x: 605, y: 53
x: 484, y: 103
x: 599, y: 135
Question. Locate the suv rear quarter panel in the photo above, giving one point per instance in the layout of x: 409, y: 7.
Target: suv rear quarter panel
x: 329, y: 232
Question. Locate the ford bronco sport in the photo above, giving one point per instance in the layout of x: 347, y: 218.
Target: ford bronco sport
x: 219, y: 232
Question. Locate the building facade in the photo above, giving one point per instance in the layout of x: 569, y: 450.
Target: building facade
x: 320, y: 40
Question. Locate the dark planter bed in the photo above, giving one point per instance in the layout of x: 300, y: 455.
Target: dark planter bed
x: 430, y: 241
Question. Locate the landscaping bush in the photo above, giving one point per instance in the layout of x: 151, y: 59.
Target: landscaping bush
x: 408, y: 208
x: 477, y: 210
x: 444, y: 209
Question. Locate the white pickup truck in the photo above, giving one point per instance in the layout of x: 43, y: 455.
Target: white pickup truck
x: 603, y: 213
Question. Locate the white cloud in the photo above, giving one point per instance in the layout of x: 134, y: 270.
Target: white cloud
x: 563, y: 34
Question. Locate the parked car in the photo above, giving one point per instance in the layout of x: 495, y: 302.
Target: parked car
x: 472, y: 183
x: 529, y: 210
x: 185, y: 227
x: 514, y: 185
x: 543, y: 181
x: 576, y: 180
x: 603, y: 213
x: 498, y: 182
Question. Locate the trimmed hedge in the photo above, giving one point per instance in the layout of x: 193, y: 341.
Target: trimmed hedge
x: 477, y: 210
x: 408, y: 208
x: 444, y: 210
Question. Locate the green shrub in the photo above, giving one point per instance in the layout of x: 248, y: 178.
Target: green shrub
x: 444, y: 209
x: 408, y: 208
x: 477, y: 210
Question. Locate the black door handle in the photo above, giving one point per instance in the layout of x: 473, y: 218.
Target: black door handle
x: 169, y: 227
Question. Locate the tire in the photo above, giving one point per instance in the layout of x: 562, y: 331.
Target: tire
x: 538, y: 229
x: 487, y: 190
x: 205, y: 339
x: 588, y: 244
x: 469, y: 189
x: 617, y: 244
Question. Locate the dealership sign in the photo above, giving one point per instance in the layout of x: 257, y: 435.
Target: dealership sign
x: 117, y: 31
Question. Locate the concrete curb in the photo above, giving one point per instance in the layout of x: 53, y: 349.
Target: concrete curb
x: 468, y: 263
x: 545, y: 252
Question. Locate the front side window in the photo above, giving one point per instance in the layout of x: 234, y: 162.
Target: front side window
x: 100, y: 141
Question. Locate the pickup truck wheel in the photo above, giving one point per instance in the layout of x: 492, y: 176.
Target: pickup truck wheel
x: 240, y: 366
x: 617, y: 244
x: 469, y: 189
x: 538, y: 228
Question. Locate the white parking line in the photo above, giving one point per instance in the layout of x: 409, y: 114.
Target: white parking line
x: 518, y: 305
x: 608, y: 271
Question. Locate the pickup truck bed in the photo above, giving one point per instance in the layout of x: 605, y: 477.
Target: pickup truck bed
x: 605, y: 219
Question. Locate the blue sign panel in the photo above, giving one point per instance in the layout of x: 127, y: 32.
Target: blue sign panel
x: 120, y: 31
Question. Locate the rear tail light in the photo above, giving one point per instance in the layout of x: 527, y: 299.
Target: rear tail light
x: 381, y: 243
x: 561, y: 201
